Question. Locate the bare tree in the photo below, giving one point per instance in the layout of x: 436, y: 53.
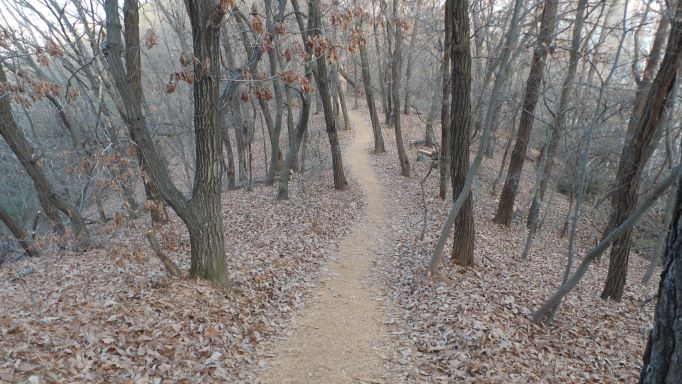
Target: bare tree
x: 202, y: 213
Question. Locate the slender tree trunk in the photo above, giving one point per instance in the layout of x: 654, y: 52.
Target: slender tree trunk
x: 550, y: 305
x: 445, y: 154
x: 396, y: 72
x: 294, y: 144
x: 633, y: 159
x: 460, y: 126
x: 344, y: 108
x: 560, y: 118
x: 322, y: 79
x: 383, y: 92
x: 457, y: 205
x: 157, y: 208
x: 429, y: 138
x: 277, y: 86
x: 408, y: 70
x: 369, y: 95
x: 506, y: 206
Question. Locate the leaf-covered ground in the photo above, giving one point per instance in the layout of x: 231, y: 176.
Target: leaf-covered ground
x: 475, y: 326
x: 111, y: 314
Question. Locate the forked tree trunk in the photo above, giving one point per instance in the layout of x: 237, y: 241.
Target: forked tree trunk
x: 460, y: 126
x: 633, y: 159
x: 202, y: 213
x: 511, y: 186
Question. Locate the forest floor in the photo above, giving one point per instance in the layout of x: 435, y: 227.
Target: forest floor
x: 329, y: 287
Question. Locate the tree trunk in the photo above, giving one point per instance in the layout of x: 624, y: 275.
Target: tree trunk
x: 460, y: 126
x: 560, y: 117
x: 663, y: 352
x: 445, y: 155
x: 408, y: 70
x: 506, y: 206
x: 551, y: 304
x: 322, y: 78
x: 395, y: 78
x: 383, y: 92
x: 369, y: 95
x: 277, y: 86
x: 294, y: 145
x: 429, y: 138
x: 157, y: 208
x: 633, y: 159
x: 201, y: 214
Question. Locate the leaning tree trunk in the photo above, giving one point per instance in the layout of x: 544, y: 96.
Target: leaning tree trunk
x: 633, y: 159
x: 131, y: 36
x: 29, y: 158
x: 395, y: 78
x: 460, y: 126
x: 322, y: 79
x: 511, y: 185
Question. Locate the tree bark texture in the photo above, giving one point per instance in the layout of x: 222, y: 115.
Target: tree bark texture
x: 460, y: 126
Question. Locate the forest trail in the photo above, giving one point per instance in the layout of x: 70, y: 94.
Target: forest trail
x: 339, y: 338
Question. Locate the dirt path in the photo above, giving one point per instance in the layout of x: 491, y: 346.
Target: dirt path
x: 339, y: 338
